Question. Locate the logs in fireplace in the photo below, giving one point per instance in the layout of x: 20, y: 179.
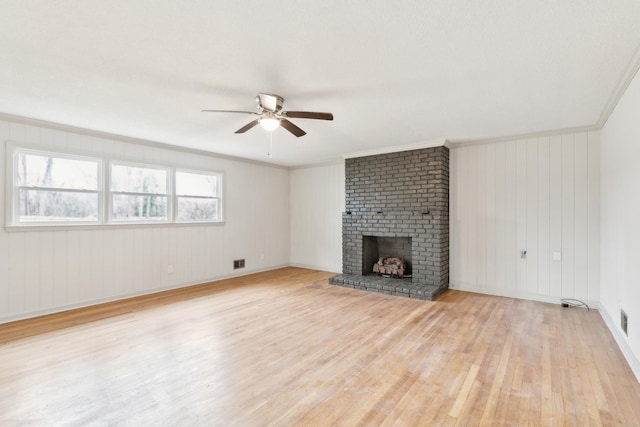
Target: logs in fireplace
x: 392, y: 267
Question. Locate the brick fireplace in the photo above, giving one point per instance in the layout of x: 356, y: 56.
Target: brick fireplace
x: 397, y: 204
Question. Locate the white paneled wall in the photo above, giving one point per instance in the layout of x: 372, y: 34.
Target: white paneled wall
x: 620, y: 209
x: 539, y: 195
x: 46, y: 271
x: 317, y: 204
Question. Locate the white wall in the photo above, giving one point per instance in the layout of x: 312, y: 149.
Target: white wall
x: 540, y: 195
x: 45, y: 271
x: 317, y: 204
x: 620, y: 213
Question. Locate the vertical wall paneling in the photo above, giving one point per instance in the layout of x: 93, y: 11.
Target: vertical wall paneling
x: 619, y: 177
x: 471, y: 256
x: 32, y: 283
x: 481, y: 220
x: 463, y: 217
x: 500, y: 215
x: 543, y: 205
x: 73, y: 258
x: 119, y: 274
x: 463, y: 214
x: 317, y: 205
x: 521, y: 214
x: 45, y: 268
x: 512, y: 258
x: 5, y: 279
x: 533, y: 194
x: 47, y: 271
x: 533, y: 254
x: 16, y: 267
x: 568, y: 220
x: 490, y: 207
x: 59, y: 272
x: 555, y: 214
x: 32, y: 134
x: 581, y: 220
x: 16, y: 246
x: 593, y: 215
x: 109, y: 265
x: 97, y: 264
x: 17, y: 132
x: 84, y: 266
x: 454, y: 218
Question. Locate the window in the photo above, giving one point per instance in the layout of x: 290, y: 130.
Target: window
x: 138, y: 193
x: 67, y: 189
x: 198, y: 196
x: 55, y: 188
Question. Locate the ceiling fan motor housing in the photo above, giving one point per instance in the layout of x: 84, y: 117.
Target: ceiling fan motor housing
x: 268, y: 102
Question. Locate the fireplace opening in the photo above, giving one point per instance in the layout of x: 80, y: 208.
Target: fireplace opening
x: 377, y: 249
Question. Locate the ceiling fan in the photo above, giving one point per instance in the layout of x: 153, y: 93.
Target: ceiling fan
x: 271, y: 115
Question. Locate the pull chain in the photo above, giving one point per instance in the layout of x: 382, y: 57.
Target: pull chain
x: 270, y: 151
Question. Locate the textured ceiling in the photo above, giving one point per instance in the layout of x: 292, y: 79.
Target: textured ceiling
x: 394, y: 73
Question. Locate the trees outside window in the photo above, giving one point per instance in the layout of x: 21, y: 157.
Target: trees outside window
x: 68, y: 189
x: 54, y: 188
x: 138, y: 193
x: 197, y: 196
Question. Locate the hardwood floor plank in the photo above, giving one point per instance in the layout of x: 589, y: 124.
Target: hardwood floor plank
x: 284, y: 348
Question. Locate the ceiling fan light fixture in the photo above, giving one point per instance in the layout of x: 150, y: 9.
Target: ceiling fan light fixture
x: 271, y: 116
x: 269, y: 123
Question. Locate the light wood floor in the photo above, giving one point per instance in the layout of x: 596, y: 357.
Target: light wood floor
x: 284, y: 348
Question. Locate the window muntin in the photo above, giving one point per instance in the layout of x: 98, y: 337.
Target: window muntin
x: 51, y: 188
x: 198, y: 196
x: 138, y: 193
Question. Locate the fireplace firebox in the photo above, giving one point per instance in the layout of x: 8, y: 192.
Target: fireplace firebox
x: 376, y: 247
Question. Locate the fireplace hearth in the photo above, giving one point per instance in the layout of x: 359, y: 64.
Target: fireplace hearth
x: 397, y: 206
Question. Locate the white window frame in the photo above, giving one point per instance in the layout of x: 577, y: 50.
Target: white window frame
x: 219, y: 198
x: 104, y: 220
x: 13, y: 188
x: 110, y: 193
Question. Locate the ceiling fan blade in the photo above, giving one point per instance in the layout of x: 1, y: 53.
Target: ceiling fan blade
x: 308, y: 115
x: 292, y: 128
x: 228, y: 111
x: 248, y: 126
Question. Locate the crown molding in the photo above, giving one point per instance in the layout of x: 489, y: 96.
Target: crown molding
x: 398, y: 148
x: 579, y: 129
x: 115, y: 137
x: 319, y: 164
x: 625, y: 80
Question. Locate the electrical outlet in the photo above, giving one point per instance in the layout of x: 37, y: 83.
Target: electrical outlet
x: 170, y: 269
x: 261, y: 256
x: 238, y: 263
x: 523, y: 254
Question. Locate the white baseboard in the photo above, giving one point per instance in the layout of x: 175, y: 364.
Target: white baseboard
x: 97, y: 301
x: 516, y: 294
x: 633, y: 361
x: 316, y: 267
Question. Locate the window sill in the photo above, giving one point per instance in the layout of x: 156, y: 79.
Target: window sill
x: 47, y: 227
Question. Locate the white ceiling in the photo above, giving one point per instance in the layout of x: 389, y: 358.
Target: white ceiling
x: 394, y: 73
